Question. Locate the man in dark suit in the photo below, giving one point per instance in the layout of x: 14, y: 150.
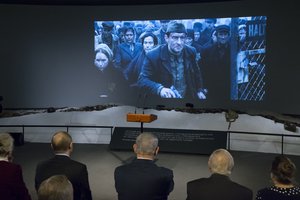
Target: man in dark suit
x: 12, y: 186
x: 142, y: 179
x: 61, y: 163
x: 218, y: 186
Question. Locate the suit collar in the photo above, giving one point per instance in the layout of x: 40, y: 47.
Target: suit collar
x: 142, y: 161
x: 219, y: 176
x: 62, y: 156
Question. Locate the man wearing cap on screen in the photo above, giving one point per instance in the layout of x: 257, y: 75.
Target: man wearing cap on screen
x: 171, y: 70
x: 107, y: 36
x: 215, y: 65
x: 160, y: 33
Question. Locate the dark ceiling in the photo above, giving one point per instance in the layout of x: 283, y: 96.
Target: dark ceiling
x: 104, y: 2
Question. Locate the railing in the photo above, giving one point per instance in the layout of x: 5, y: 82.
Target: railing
x: 111, y: 131
x: 267, y: 134
x: 57, y: 126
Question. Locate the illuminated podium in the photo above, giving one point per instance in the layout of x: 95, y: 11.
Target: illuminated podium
x: 142, y: 118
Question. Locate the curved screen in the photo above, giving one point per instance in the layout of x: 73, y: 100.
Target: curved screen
x: 209, y: 60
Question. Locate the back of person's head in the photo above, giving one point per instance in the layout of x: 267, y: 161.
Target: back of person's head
x: 61, y: 142
x: 146, y: 144
x: 6, y: 144
x: 221, y: 162
x: 57, y: 187
x: 283, y: 169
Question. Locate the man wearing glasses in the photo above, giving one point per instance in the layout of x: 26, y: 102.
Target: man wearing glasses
x: 171, y: 70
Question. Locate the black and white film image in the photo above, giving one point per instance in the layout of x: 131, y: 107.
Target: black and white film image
x: 218, y: 59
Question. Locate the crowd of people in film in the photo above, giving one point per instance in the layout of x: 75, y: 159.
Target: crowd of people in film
x: 62, y: 178
x: 166, y: 58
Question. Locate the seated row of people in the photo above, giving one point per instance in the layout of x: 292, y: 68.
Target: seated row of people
x: 61, y: 178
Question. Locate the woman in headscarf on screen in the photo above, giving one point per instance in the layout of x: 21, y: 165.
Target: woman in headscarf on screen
x: 111, y: 78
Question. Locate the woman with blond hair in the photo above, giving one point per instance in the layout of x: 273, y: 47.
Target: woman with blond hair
x: 12, y: 186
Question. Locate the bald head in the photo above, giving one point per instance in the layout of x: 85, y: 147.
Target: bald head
x: 61, y: 142
x: 221, y: 162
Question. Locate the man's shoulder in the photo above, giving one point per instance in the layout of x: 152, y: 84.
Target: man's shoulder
x: 78, y: 163
x: 136, y: 164
x: 44, y: 162
x: 10, y: 166
x: 166, y: 171
x: 190, y: 50
x: 242, y: 187
x: 61, y: 159
x: 197, y: 181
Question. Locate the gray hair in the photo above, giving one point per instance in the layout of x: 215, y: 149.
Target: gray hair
x: 146, y: 143
x: 57, y: 187
x: 6, y: 144
x: 221, y: 162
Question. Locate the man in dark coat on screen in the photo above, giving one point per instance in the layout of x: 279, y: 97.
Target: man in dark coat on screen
x: 215, y: 66
x: 171, y: 70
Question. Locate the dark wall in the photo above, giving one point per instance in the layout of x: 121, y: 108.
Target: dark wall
x: 46, y: 55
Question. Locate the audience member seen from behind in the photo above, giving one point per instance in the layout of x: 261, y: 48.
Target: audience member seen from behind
x: 218, y: 186
x: 142, y: 179
x: 282, y: 176
x: 61, y: 163
x: 12, y: 186
x: 57, y: 187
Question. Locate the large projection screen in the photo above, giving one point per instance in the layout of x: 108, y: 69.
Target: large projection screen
x: 48, y: 55
x: 232, y: 67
